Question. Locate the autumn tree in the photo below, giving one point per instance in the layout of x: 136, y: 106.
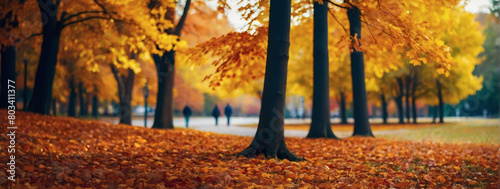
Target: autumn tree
x: 165, y: 67
x: 55, y: 20
x: 320, y: 121
x: 8, y: 23
x: 270, y: 137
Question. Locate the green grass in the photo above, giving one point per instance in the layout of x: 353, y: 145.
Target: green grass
x: 468, y: 131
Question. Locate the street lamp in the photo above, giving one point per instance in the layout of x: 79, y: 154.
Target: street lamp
x: 145, y: 90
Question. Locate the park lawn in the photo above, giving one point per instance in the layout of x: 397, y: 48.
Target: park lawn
x: 350, y: 127
x: 473, y: 131
x: 55, y: 152
x: 465, y: 131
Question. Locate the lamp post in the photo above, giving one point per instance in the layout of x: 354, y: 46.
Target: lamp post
x: 146, y: 93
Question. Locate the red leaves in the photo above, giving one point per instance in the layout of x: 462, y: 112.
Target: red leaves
x: 193, y: 159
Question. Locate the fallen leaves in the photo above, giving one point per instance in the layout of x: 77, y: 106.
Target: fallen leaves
x: 71, y: 153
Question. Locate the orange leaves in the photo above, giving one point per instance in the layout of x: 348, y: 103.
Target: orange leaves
x: 53, y: 155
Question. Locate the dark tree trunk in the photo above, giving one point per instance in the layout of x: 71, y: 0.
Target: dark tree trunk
x: 441, y: 103
x: 407, y: 98
x: 343, y: 109
x: 413, y: 100
x: 270, y: 137
x: 165, y: 68
x: 44, y: 78
x: 82, y: 99
x: 164, y: 113
x: 95, y: 106
x: 72, y: 98
x: 54, y: 107
x: 435, y: 114
x: 414, y: 108
x: 384, y: 108
x: 106, y: 103
x: 399, y: 101
x: 125, y: 86
x: 320, y: 124
x: 8, y: 72
x: 360, y: 106
x: 25, y: 91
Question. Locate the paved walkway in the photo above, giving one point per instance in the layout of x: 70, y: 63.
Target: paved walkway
x: 208, y: 124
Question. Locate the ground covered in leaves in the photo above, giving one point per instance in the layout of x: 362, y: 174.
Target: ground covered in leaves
x: 56, y: 152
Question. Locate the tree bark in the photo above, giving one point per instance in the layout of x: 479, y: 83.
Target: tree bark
x: 44, y: 78
x: 270, y: 137
x: 165, y: 68
x: 54, y: 107
x: 82, y: 99
x: 414, y: 108
x: 414, y: 99
x: 25, y: 91
x: 435, y: 114
x: 95, y: 106
x: 8, y: 72
x: 164, y: 112
x: 125, y: 86
x: 399, y: 101
x: 72, y: 98
x: 407, y: 98
x: 441, y: 103
x: 320, y: 120
x: 384, y: 108
x: 360, y: 106
x: 343, y: 109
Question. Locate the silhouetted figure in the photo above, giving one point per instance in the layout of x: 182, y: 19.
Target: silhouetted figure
x: 216, y: 114
x: 228, y: 111
x: 186, y: 112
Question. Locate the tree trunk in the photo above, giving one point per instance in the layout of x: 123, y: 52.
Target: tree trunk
x: 407, y: 98
x: 384, y: 108
x: 360, y: 106
x: 95, y: 106
x: 270, y: 137
x: 320, y: 121
x: 165, y: 68
x: 54, y: 107
x: 414, y: 108
x: 25, y: 91
x: 399, y: 101
x: 82, y: 99
x: 8, y: 72
x: 72, y: 98
x: 343, y: 109
x: 106, y: 112
x: 441, y: 103
x: 125, y: 86
x: 164, y: 113
x: 435, y: 114
x: 44, y: 78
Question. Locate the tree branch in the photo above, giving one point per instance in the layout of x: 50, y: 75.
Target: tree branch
x: 34, y: 35
x: 335, y: 18
x: 100, y: 5
x: 182, y: 20
x: 375, y: 27
x: 64, y: 19
x: 337, y: 5
x: 369, y: 29
x: 84, y: 19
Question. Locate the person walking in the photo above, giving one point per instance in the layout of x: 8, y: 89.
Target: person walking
x: 186, y: 112
x: 216, y: 114
x: 228, y: 111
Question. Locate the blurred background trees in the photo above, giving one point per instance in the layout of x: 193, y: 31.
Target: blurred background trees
x: 102, y: 54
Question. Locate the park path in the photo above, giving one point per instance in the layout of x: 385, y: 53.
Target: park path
x: 208, y: 124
